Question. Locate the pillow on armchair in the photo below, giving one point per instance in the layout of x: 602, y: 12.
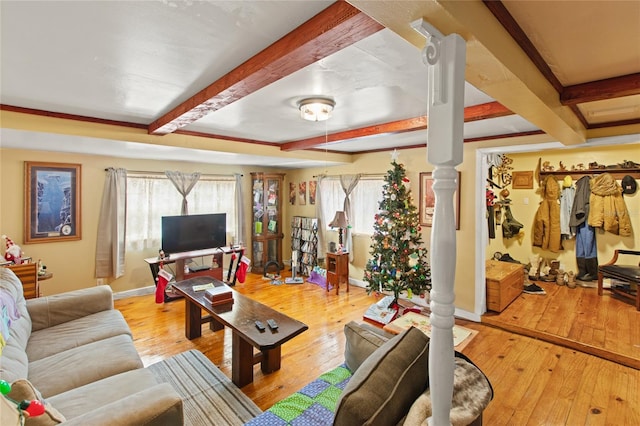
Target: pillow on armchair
x: 387, y: 383
x: 360, y: 342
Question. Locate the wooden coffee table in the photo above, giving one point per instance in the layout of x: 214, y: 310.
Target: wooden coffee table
x: 240, y: 317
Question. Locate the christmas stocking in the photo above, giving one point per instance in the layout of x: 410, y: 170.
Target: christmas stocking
x: 241, y: 272
x: 163, y: 279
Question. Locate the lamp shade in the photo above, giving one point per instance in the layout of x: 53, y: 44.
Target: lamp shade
x: 339, y: 220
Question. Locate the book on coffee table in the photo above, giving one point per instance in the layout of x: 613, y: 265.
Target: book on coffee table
x: 219, y: 295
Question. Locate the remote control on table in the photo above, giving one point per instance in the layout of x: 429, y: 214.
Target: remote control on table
x: 272, y: 324
x: 260, y: 325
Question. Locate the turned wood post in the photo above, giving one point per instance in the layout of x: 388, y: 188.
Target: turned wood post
x: 445, y: 59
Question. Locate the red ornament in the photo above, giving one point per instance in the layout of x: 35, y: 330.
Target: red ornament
x: 35, y: 408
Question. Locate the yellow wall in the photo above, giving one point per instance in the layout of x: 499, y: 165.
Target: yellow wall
x: 73, y: 262
x: 521, y: 248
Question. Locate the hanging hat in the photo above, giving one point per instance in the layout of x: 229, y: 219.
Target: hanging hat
x: 9, y: 241
x: 567, y: 182
x: 629, y: 185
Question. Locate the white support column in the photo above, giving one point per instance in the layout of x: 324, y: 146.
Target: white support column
x: 445, y: 57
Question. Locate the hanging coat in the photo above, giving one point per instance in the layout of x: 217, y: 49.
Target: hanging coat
x: 546, y: 225
x: 608, y: 210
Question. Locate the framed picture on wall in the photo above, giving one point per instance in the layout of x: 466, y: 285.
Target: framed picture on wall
x: 427, y: 201
x: 52, y: 202
x: 312, y: 191
x: 292, y: 193
x: 302, y: 193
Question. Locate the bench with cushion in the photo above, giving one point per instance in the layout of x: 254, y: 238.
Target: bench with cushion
x: 629, y: 274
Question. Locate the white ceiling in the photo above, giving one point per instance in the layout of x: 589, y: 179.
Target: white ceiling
x: 135, y: 61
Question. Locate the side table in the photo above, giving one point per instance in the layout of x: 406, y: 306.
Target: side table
x: 337, y: 270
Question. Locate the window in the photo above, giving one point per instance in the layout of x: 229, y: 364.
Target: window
x: 149, y: 197
x: 365, y: 201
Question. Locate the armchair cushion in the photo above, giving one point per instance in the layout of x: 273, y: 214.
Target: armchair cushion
x: 360, y: 343
x: 387, y: 383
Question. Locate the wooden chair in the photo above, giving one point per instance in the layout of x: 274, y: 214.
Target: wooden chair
x: 627, y: 273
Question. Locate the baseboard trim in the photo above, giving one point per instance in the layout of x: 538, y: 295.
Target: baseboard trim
x: 143, y: 291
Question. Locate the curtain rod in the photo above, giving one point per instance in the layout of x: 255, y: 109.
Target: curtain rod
x: 361, y: 174
x: 162, y: 173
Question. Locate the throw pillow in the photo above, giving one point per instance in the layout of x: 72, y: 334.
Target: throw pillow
x: 387, y: 383
x: 23, y: 389
x: 360, y: 343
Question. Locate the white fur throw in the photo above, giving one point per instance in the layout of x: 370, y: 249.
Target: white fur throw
x: 471, y: 395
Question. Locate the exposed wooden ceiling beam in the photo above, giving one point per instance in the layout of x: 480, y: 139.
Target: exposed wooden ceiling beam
x: 330, y: 31
x: 615, y: 87
x: 472, y: 113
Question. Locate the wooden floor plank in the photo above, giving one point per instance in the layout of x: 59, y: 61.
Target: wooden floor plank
x: 576, y: 318
x: 530, y: 376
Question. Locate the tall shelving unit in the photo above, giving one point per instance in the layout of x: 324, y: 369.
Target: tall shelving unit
x: 266, y: 234
x: 304, y: 241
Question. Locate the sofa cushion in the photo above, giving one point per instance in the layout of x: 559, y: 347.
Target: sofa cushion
x: 360, y: 343
x: 387, y: 383
x: 71, y: 334
x: 75, y: 402
x: 23, y: 389
x: 84, y: 364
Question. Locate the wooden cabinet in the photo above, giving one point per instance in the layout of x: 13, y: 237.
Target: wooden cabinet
x: 505, y: 282
x: 28, y: 275
x: 337, y: 270
x: 267, y: 232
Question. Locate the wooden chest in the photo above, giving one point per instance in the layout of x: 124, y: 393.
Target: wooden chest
x: 505, y: 282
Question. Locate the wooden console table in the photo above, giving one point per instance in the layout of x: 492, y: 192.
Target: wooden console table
x: 214, y: 271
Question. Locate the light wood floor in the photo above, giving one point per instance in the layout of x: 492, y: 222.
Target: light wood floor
x: 605, y: 326
x: 535, y: 382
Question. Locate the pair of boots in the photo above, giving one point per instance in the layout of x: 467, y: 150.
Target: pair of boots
x: 587, y: 269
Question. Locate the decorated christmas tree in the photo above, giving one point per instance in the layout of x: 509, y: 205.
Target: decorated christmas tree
x: 398, y: 261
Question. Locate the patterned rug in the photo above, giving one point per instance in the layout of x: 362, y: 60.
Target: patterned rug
x: 313, y: 405
x: 209, y: 397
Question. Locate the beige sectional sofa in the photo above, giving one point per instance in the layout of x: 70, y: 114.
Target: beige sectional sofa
x: 76, y: 352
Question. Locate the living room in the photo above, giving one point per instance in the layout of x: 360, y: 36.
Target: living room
x: 72, y: 263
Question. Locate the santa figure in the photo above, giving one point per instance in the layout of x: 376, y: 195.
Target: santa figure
x: 13, y: 253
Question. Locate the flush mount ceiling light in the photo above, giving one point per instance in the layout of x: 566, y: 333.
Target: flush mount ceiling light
x: 316, y: 109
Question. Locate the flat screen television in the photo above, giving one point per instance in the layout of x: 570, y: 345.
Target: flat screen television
x: 193, y: 232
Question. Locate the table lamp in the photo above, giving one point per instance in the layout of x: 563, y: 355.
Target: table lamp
x: 339, y: 221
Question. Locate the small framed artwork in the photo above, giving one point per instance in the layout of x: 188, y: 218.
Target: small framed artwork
x: 427, y: 202
x: 522, y: 180
x: 312, y: 191
x: 52, y: 202
x: 292, y: 193
x: 302, y: 193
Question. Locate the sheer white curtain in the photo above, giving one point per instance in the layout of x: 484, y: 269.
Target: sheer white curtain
x: 152, y: 196
x: 348, y: 183
x: 239, y: 210
x: 184, y: 183
x: 110, y: 244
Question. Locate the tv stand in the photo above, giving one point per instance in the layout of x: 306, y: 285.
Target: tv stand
x: 215, y: 271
